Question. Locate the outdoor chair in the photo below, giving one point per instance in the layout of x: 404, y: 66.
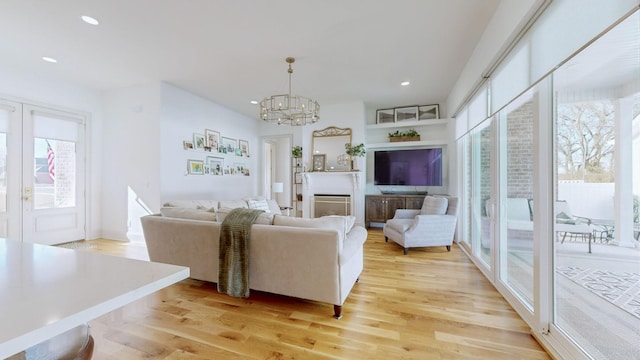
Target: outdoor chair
x: 571, y: 225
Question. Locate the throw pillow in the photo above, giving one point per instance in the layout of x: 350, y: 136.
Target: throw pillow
x: 265, y: 218
x: 186, y: 213
x: 259, y: 205
x: 564, y: 218
x: 232, y: 204
x: 434, y: 205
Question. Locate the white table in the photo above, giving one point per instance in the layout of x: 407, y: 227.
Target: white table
x: 45, y: 290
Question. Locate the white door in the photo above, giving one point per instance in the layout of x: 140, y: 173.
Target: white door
x: 10, y: 169
x: 53, y: 186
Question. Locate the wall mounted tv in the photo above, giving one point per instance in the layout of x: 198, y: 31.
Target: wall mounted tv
x: 416, y: 167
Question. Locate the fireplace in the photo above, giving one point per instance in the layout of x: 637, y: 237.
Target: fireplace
x: 342, y: 184
x: 326, y: 204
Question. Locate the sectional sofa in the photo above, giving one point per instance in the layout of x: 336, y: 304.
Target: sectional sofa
x: 316, y: 259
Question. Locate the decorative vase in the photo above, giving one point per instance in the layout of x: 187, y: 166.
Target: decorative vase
x: 354, y: 164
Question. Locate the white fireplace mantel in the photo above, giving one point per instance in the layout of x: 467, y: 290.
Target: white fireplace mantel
x: 333, y: 183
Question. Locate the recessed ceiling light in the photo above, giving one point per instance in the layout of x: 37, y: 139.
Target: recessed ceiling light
x: 49, y: 59
x: 405, y: 83
x: 89, y: 20
x: 254, y: 102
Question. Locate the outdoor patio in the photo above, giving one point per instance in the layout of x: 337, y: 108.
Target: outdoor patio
x: 597, y: 295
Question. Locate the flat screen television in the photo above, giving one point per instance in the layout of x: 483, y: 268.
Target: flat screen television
x: 416, y: 167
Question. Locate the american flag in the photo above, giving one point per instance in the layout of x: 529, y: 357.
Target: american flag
x: 51, y: 161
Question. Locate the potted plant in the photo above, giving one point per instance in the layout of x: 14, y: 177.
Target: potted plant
x: 409, y: 135
x: 296, y: 151
x: 354, y: 151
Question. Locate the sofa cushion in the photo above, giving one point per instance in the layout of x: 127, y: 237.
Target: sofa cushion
x: 350, y: 221
x: 266, y: 218
x: 232, y: 204
x: 399, y: 225
x: 193, y: 204
x: 326, y: 222
x: 434, y: 205
x: 188, y: 213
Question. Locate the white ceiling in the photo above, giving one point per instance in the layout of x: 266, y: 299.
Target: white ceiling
x: 232, y: 52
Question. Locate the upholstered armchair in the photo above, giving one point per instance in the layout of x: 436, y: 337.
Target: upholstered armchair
x: 433, y: 225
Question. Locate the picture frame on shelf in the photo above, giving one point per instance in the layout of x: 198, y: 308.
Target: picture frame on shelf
x: 243, y: 145
x: 429, y: 112
x: 216, y: 165
x: 198, y: 141
x: 195, y: 167
x: 319, y: 161
x: 384, y: 116
x: 228, y: 145
x: 297, y: 179
x: 409, y: 113
x: 187, y: 145
x: 213, y: 139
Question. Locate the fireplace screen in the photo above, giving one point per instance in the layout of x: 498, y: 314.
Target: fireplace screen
x: 331, y: 205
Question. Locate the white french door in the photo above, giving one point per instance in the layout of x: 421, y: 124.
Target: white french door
x: 41, y: 174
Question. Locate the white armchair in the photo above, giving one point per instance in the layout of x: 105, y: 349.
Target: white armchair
x: 425, y: 227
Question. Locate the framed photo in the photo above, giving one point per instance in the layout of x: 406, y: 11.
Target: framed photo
x: 212, y: 138
x: 428, y: 112
x: 319, y: 161
x: 384, y: 116
x: 216, y: 165
x: 195, y: 167
x: 406, y: 113
x: 198, y: 141
x: 298, y: 178
x: 228, y: 146
x: 243, y: 145
x: 188, y: 145
x: 241, y: 169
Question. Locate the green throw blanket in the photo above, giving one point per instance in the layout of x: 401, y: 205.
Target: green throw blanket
x: 233, y: 271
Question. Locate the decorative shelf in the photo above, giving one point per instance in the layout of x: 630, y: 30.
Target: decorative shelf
x: 406, y: 144
x: 408, y: 124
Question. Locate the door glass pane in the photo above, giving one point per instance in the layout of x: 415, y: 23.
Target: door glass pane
x: 466, y: 176
x: 54, y: 173
x: 597, y: 264
x: 481, y: 190
x: 3, y: 172
x: 516, y: 193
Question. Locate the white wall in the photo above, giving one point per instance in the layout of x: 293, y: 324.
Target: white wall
x: 131, y: 157
x: 183, y: 114
x: 34, y: 89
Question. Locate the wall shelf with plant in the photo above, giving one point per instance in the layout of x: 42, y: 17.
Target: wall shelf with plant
x: 399, y: 136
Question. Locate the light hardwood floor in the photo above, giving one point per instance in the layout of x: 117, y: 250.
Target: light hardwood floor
x: 430, y: 304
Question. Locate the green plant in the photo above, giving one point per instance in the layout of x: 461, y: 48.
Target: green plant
x: 408, y: 133
x: 296, y: 151
x: 357, y: 150
x: 411, y: 133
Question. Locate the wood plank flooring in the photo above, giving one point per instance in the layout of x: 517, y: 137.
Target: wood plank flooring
x: 430, y: 304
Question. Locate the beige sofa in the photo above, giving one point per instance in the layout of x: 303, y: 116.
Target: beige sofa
x: 315, y: 259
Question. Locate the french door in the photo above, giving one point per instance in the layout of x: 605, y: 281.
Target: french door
x: 41, y: 174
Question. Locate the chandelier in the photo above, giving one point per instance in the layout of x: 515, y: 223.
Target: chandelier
x: 289, y: 109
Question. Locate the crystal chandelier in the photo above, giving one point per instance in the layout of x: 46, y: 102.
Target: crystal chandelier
x: 289, y: 109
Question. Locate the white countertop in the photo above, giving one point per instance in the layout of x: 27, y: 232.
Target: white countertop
x: 46, y: 290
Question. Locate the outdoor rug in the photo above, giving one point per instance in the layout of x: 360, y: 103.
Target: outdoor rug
x: 619, y: 288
